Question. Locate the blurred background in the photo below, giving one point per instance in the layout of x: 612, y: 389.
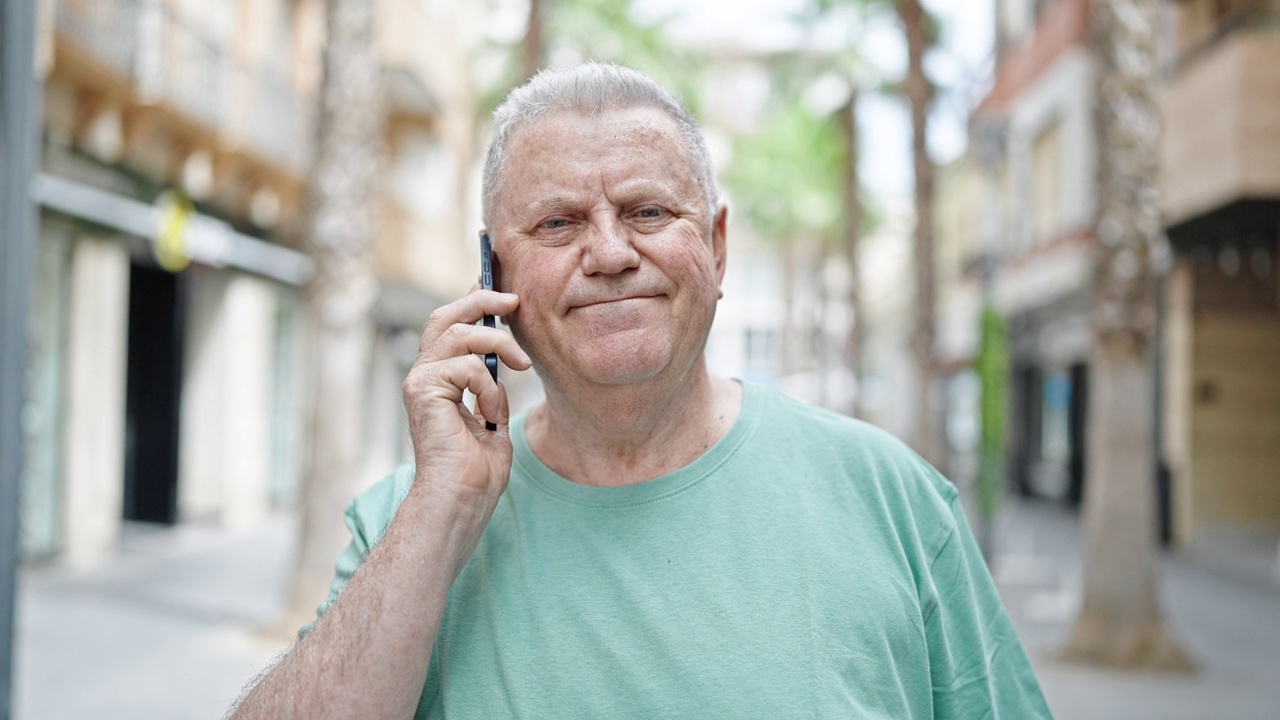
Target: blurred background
x: 227, y: 221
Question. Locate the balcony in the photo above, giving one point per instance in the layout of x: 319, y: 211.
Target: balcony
x: 1221, y: 143
x: 168, y: 61
x: 270, y: 119
x: 106, y: 29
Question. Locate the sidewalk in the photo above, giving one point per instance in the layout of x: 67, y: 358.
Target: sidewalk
x: 171, y: 628
x: 1220, y: 601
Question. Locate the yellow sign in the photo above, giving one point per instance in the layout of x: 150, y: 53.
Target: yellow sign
x: 171, y: 240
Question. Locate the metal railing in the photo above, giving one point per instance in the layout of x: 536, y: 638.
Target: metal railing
x: 272, y: 120
x: 171, y: 59
x: 180, y: 64
x: 106, y: 28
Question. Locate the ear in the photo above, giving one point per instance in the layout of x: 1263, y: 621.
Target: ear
x: 496, y: 265
x: 718, y: 239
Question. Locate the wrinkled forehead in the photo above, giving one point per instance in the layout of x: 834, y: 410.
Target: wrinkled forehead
x: 571, y: 136
x: 572, y: 130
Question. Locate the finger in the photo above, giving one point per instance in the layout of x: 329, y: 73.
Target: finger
x: 446, y: 380
x: 501, y: 420
x: 479, y: 340
x: 504, y: 406
x: 466, y: 310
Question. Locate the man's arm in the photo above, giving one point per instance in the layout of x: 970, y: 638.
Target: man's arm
x: 368, y: 656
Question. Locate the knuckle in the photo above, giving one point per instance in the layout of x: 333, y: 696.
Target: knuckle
x: 455, y: 332
x: 437, y: 316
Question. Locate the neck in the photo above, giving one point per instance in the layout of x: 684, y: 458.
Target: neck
x: 621, y: 435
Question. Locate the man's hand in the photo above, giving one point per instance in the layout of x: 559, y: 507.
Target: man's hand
x: 458, y: 462
x: 368, y: 656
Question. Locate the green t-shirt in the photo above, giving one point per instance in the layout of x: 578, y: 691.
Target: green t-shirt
x: 807, y: 565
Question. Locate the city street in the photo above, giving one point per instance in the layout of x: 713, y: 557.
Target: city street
x: 1221, y: 600
x: 175, y: 625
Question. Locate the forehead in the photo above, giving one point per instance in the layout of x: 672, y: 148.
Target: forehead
x: 571, y: 150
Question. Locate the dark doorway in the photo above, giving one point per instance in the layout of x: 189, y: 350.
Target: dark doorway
x: 152, y: 397
x: 1025, y: 426
x: 1078, y: 438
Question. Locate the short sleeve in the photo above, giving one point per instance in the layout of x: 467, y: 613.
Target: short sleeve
x: 367, y: 518
x: 978, y: 667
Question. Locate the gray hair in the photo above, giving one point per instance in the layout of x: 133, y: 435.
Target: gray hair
x: 588, y: 88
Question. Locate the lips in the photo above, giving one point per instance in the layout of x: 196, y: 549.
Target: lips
x: 597, y: 302
x: 607, y: 301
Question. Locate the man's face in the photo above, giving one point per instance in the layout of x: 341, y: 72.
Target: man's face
x: 603, y: 230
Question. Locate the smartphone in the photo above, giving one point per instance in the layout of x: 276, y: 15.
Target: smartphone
x: 486, y: 283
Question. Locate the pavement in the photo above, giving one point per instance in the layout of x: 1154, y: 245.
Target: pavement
x: 172, y: 627
x: 175, y: 624
x: 1220, y: 600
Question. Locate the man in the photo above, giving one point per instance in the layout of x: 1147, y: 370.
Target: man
x: 652, y: 540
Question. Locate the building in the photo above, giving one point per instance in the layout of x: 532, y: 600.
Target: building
x: 168, y: 375
x: 1032, y: 167
x: 1221, y: 194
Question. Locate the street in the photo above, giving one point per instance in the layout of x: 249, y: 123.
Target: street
x: 176, y: 624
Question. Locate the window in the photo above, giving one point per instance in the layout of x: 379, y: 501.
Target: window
x: 1047, y: 185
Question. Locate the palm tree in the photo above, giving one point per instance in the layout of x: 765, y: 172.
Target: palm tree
x: 786, y: 181
x: 919, y: 93
x: 1120, y: 621
x: 342, y: 224
x: 918, y: 29
x: 851, y: 235
x: 533, y: 39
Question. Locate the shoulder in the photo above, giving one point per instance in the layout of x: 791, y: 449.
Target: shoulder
x: 851, y: 463
x: 852, y: 443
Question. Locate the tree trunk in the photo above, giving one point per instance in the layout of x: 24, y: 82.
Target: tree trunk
x: 790, y: 291
x: 1120, y: 622
x: 533, y: 40
x: 851, y: 236
x: 342, y: 225
x: 919, y: 94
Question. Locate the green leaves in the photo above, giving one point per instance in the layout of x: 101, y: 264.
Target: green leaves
x: 786, y: 180
x: 993, y: 373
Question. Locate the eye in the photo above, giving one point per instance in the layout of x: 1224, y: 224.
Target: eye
x: 553, y: 224
x: 650, y: 213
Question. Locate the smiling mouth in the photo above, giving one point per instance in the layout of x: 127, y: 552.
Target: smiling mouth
x: 611, y: 301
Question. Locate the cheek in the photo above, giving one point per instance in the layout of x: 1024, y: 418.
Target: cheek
x: 693, y: 265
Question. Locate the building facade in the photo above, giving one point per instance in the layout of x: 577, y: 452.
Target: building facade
x: 1018, y: 213
x: 168, y: 375
x: 1221, y: 194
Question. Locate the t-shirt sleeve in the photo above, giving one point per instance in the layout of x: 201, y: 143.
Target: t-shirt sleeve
x: 978, y: 667
x: 367, y: 518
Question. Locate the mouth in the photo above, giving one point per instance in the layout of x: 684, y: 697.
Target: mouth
x: 610, y: 301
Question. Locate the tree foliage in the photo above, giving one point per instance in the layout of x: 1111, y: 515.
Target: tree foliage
x: 604, y: 31
x: 993, y: 374
x: 786, y: 180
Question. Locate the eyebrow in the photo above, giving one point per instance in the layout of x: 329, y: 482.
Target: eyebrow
x: 629, y: 191
x: 556, y: 204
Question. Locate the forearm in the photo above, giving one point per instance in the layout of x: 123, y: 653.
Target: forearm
x: 368, y: 656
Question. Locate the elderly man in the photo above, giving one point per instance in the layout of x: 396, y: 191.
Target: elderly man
x: 652, y: 540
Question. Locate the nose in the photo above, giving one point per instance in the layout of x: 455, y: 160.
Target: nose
x: 609, y: 248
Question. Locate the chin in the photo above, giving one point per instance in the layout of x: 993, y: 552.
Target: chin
x: 634, y: 367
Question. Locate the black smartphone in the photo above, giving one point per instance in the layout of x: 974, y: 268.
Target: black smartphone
x: 486, y: 283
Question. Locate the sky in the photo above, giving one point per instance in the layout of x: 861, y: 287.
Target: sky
x: 885, y: 166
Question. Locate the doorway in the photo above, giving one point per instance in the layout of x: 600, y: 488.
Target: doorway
x: 153, y: 396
